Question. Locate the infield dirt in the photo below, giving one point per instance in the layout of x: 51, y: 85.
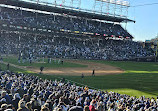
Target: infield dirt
x: 100, y: 69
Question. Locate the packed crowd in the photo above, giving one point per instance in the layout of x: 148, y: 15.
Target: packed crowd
x: 56, y: 22
x: 33, y: 44
x: 20, y: 92
x: 58, y: 46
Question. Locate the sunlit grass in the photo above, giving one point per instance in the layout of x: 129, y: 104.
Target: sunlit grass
x: 148, y: 72
x: 138, y: 79
x: 132, y: 92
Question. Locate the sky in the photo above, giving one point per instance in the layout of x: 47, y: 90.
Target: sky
x: 146, y: 17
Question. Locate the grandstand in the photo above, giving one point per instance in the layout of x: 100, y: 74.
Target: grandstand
x: 82, y: 35
x: 35, y: 31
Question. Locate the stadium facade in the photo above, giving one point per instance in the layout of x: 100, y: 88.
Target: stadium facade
x: 73, y: 32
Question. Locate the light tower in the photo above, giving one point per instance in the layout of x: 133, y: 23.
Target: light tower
x: 68, y: 3
x: 118, y: 8
x: 76, y: 4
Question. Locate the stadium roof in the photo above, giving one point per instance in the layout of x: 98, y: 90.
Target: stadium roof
x: 63, y: 10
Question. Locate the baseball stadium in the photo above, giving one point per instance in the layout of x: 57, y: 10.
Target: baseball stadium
x: 74, y: 55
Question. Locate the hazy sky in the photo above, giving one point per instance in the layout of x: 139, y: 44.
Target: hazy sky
x: 146, y: 17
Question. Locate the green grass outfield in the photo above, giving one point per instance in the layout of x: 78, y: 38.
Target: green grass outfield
x: 138, y: 79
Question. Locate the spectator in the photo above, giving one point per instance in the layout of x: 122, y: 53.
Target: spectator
x: 92, y: 106
x: 57, y: 95
x: 16, y: 100
x: 6, y: 97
